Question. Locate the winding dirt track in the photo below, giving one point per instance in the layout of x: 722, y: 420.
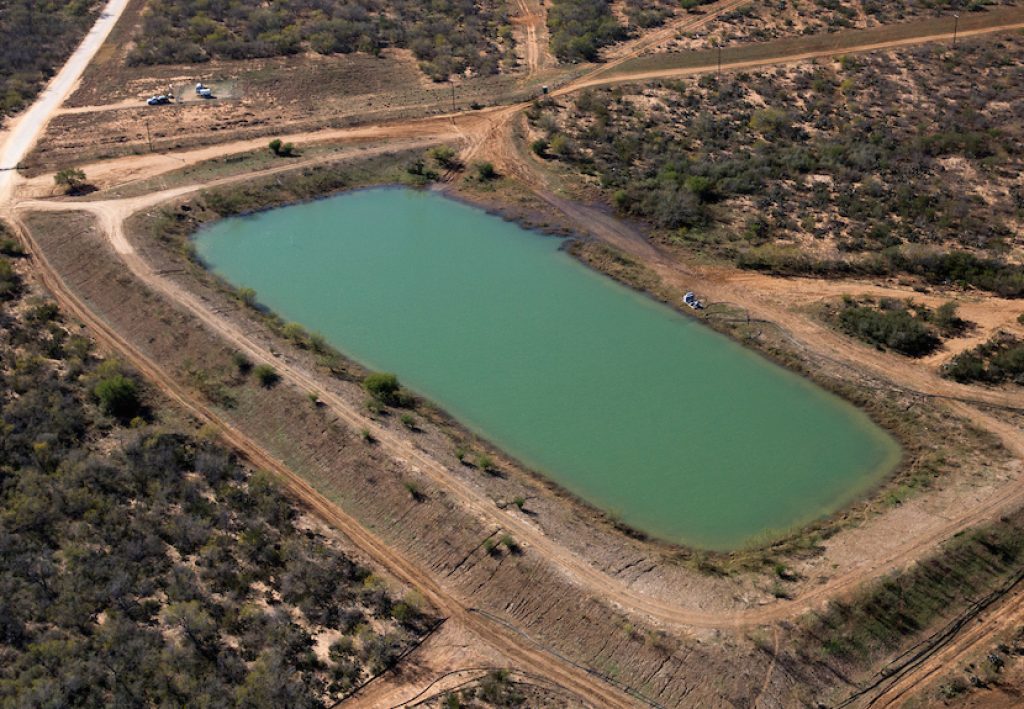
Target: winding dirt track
x: 482, y: 131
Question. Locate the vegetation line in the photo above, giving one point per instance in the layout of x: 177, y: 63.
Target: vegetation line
x: 917, y: 654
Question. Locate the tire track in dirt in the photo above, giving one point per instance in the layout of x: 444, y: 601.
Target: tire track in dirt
x: 687, y: 22
x: 532, y: 18
x: 481, y: 128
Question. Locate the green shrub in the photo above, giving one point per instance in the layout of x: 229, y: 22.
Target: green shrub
x: 35, y: 37
x: 938, y: 268
x: 247, y: 296
x: 998, y: 361
x: 414, y: 490
x: 242, y: 363
x: 895, y: 329
x: 10, y: 283
x: 118, y: 396
x: 447, y: 37
x: 383, y: 386
x: 10, y: 247
x: 947, y: 320
x: 282, y: 150
x: 485, y: 171
x: 579, y: 28
x: 446, y: 157
x: 266, y: 375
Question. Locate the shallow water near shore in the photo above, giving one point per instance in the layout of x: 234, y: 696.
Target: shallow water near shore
x: 642, y: 412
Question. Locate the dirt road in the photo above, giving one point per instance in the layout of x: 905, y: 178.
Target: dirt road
x: 17, y: 143
x: 486, y: 131
x: 617, y: 73
x: 531, y: 19
x: 112, y: 214
x: 510, y: 645
x: 29, y: 126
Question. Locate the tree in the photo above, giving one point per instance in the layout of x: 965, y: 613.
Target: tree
x: 72, y: 179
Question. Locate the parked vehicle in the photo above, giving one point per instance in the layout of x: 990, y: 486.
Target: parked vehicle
x: 158, y: 100
x: 691, y: 300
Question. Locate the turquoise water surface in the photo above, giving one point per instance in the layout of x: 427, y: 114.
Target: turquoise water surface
x: 679, y: 431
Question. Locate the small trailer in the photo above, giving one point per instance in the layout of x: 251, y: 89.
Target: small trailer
x: 691, y: 300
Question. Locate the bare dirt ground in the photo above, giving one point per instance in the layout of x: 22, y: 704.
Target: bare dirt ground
x: 531, y: 22
x: 485, y: 135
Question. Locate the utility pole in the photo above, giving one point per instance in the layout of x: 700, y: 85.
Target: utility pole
x: 453, y: 94
x: 719, y: 61
x: 956, y: 26
x: 149, y: 138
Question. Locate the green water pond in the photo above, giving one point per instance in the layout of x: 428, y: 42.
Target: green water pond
x: 640, y: 411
